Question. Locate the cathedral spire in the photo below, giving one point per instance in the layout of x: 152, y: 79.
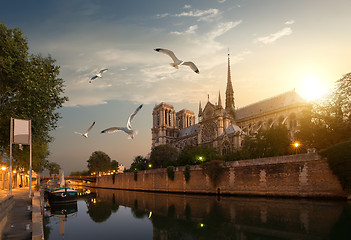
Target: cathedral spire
x: 219, y: 100
x: 229, y: 94
x: 200, y: 109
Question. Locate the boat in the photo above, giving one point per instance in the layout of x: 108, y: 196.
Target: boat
x: 62, y: 195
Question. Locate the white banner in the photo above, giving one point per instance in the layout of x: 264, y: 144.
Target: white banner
x: 21, y: 131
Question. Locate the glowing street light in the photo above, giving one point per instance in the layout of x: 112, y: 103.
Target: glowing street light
x: 296, y: 145
x: 150, y: 165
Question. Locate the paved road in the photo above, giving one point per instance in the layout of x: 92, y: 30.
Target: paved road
x: 19, y: 222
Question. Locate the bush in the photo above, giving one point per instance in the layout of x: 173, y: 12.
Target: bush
x: 214, y: 169
x: 339, y: 160
x: 170, y: 172
x: 187, y: 173
x: 135, y: 175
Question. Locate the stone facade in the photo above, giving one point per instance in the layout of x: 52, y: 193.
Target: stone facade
x: 224, y: 128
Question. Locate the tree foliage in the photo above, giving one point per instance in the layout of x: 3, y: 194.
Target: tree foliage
x: 163, y: 156
x: 195, y: 155
x: 29, y: 89
x: 328, y: 122
x: 114, y: 165
x: 271, y: 142
x: 99, y: 162
x: 139, y: 163
x: 54, y: 168
x: 339, y: 160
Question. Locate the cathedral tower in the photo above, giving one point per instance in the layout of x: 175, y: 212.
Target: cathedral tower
x: 164, y: 128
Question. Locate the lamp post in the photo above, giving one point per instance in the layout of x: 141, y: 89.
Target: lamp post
x: 296, y: 145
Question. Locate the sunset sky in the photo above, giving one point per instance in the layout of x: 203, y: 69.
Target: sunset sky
x: 275, y: 46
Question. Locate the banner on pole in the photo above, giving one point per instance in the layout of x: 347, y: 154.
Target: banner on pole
x: 21, y: 131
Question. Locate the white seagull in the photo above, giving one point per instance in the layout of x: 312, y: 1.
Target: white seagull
x: 127, y: 129
x: 86, y: 133
x: 176, y: 62
x: 98, y: 75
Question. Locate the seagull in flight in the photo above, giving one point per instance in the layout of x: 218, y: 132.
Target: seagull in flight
x: 128, y: 129
x: 98, y: 75
x: 86, y: 133
x: 176, y: 62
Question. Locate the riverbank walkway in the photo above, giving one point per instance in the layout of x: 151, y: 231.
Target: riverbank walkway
x: 17, y: 214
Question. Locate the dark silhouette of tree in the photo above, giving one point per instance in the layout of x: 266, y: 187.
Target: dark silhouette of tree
x: 163, y: 156
x: 99, y: 162
x: 139, y: 163
x: 29, y: 89
x: 274, y: 141
x: 114, y: 165
x: 54, y: 168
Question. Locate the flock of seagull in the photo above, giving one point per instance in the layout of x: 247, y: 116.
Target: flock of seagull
x: 128, y: 129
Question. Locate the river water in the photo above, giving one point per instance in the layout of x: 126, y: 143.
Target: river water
x: 115, y: 214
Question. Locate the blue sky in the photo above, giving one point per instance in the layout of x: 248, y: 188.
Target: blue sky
x: 275, y: 46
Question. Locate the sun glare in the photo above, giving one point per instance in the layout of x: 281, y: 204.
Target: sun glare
x: 311, y: 88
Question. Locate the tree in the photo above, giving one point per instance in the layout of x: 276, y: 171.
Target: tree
x: 114, y: 165
x: 267, y: 143
x: 163, y: 156
x: 29, y: 89
x: 328, y: 122
x: 99, y: 162
x: 54, y: 168
x: 195, y: 155
x: 139, y: 163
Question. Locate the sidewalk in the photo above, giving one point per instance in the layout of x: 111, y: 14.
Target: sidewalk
x: 18, y: 220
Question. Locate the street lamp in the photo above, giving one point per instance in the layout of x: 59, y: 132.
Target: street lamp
x: 296, y: 145
x: 150, y: 165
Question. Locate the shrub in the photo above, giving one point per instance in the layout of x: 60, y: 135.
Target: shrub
x: 187, y: 173
x: 135, y: 175
x: 214, y: 169
x: 170, y: 172
x: 339, y: 160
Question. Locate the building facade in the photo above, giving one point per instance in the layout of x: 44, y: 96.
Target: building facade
x: 224, y: 128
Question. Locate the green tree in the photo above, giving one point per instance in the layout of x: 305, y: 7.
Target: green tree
x: 271, y: 142
x: 139, y: 163
x: 195, y: 155
x: 328, y: 122
x: 54, y: 168
x: 99, y: 162
x: 29, y: 89
x: 163, y: 156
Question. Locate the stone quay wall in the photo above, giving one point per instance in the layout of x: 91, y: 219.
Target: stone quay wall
x: 302, y: 175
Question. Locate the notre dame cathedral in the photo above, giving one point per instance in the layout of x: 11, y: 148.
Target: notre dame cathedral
x: 224, y: 127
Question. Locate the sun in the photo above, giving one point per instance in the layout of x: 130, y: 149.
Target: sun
x: 311, y: 88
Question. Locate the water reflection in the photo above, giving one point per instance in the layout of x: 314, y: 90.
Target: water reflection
x: 175, y: 216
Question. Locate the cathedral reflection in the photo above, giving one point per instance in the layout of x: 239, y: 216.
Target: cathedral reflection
x: 176, y: 216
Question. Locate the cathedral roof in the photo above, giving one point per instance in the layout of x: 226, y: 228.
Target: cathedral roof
x: 233, y: 128
x: 283, y: 100
x: 192, y: 130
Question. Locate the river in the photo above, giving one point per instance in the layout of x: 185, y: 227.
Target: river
x: 116, y: 214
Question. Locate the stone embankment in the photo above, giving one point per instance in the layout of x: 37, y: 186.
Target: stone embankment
x: 302, y: 175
